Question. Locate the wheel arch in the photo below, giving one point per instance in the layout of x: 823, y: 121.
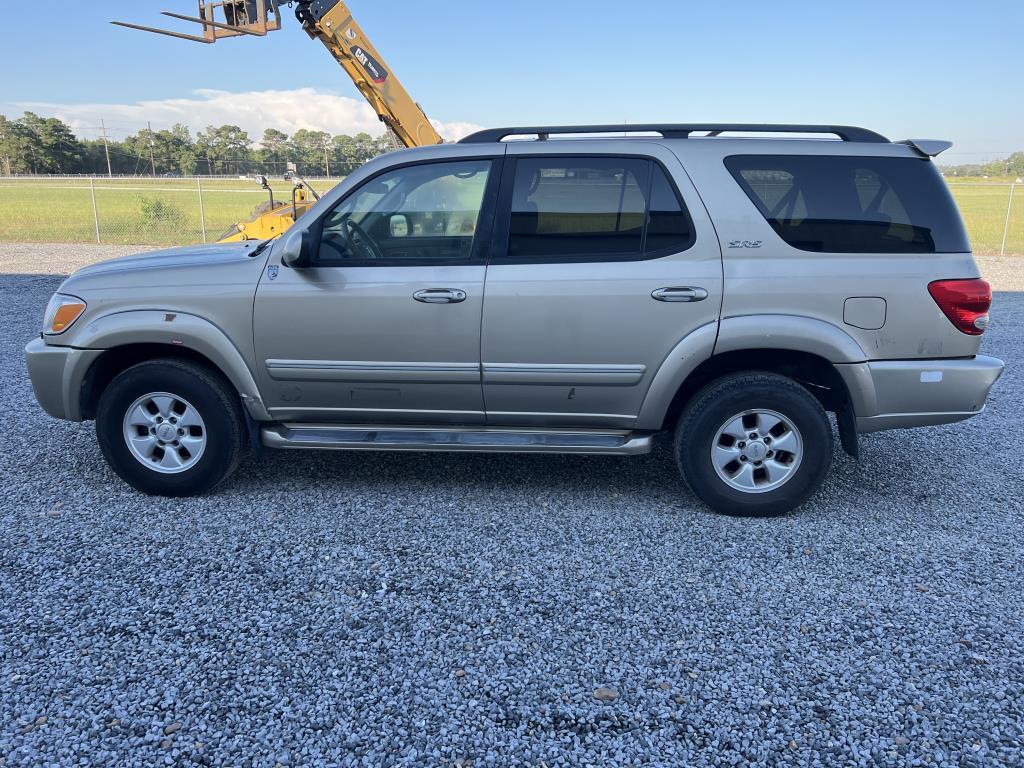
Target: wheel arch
x: 802, y: 348
x: 815, y: 373
x: 129, y: 338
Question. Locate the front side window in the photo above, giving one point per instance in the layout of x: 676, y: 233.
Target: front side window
x: 851, y: 204
x: 418, y: 214
x: 593, y: 209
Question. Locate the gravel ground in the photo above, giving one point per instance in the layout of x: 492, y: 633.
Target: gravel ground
x: 378, y: 610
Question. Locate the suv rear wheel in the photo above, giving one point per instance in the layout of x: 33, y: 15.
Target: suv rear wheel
x: 170, y: 428
x: 754, y: 444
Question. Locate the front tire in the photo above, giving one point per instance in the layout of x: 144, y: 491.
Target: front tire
x: 754, y: 445
x: 170, y: 428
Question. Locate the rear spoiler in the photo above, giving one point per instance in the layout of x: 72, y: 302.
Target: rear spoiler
x: 928, y: 147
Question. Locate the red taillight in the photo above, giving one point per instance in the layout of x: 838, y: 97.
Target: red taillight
x: 965, y: 302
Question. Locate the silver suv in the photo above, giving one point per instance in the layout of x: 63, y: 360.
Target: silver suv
x: 580, y: 292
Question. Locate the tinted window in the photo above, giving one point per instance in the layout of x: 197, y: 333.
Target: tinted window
x: 425, y: 213
x: 566, y: 209
x: 853, y: 204
x: 669, y: 228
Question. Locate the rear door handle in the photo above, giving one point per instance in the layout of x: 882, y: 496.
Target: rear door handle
x: 440, y: 296
x: 683, y: 293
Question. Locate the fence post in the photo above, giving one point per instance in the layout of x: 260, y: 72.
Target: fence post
x: 202, y: 209
x: 95, y: 210
x: 1006, y: 226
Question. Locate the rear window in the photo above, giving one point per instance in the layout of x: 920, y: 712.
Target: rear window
x: 853, y: 204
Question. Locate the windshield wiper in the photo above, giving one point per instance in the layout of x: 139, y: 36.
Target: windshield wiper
x: 261, y: 248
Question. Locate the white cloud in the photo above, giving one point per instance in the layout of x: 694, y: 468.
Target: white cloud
x: 253, y: 111
x: 455, y: 131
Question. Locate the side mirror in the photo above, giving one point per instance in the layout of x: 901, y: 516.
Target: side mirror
x: 297, y: 251
x: 399, y: 225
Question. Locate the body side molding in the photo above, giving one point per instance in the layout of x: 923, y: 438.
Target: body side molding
x: 563, y: 375
x: 371, y: 371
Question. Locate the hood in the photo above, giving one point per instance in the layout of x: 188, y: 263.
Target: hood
x: 161, y: 275
x: 189, y: 258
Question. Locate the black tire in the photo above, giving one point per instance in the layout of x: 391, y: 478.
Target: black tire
x: 722, y: 400
x: 224, y: 428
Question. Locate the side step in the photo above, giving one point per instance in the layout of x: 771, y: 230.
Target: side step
x: 480, y: 439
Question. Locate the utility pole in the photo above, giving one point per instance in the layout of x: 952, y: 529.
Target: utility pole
x: 152, y: 160
x: 5, y: 154
x: 106, y: 148
x: 327, y: 159
x: 1006, y: 227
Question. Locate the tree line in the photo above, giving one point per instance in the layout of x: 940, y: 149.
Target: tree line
x: 46, y: 145
x: 1009, y: 166
x: 41, y: 145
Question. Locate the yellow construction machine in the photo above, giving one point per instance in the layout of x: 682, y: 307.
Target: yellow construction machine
x: 330, y: 22
x: 271, y: 219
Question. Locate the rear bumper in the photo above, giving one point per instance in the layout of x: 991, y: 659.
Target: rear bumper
x: 890, y: 394
x: 57, y: 374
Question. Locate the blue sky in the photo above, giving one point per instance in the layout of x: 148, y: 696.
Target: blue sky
x: 904, y: 68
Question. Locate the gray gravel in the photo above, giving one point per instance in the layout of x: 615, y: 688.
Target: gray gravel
x: 380, y: 610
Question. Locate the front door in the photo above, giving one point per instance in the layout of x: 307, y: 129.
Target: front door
x: 602, y: 264
x: 385, y: 323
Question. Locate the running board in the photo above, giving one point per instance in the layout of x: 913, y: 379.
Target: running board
x: 482, y: 439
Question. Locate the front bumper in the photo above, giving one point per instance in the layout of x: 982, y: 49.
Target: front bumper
x: 891, y: 394
x: 57, y: 375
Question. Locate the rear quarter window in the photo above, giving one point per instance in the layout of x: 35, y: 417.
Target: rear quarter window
x: 833, y: 204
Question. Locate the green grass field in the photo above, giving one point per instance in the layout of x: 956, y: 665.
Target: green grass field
x: 983, y: 207
x: 130, y: 211
x: 167, y: 211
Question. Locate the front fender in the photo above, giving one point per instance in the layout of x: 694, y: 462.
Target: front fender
x: 176, y: 329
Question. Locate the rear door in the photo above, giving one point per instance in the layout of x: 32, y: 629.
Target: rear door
x: 603, y: 261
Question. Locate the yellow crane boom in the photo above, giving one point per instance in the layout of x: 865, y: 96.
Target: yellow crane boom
x: 331, y: 22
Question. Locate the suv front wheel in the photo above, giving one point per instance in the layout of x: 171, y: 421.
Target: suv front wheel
x: 170, y: 428
x: 754, y: 444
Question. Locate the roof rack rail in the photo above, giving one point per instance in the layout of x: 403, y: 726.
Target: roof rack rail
x: 675, y: 131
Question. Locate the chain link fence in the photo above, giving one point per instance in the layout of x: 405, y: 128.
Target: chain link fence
x: 177, y: 211
x: 130, y: 211
x: 994, y: 215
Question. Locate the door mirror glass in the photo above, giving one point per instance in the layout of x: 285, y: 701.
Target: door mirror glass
x: 399, y: 226
x: 295, y: 250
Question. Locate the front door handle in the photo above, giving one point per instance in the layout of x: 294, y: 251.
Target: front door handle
x: 683, y: 293
x: 440, y: 296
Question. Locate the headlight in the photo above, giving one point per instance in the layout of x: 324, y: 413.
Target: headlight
x: 61, y: 313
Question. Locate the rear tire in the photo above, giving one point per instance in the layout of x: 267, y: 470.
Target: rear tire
x: 754, y: 445
x: 171, y: 428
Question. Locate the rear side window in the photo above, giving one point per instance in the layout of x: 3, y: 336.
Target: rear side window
x: 669, y: 227
x: 594, y: 209
x: 853, y: 204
